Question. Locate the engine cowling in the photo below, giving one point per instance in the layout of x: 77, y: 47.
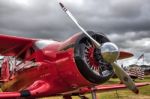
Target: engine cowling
x: 89, y: 60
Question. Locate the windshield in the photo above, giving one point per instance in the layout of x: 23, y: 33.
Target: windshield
x: 43, y: 43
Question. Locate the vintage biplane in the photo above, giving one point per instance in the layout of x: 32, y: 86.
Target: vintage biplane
x: 78, y: 65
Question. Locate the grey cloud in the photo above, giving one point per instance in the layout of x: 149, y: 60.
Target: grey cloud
x: 137, y: 41
x: 47, y: 16
x: 126, y: 8
x: 124, y: 36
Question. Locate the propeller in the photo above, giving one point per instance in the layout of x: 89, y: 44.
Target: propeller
x: 78, y: 25
x: 109, y: 52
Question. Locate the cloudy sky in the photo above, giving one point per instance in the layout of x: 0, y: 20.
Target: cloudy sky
x: 125, y: 22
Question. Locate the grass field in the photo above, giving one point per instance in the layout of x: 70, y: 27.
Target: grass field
x: 120, y: 94
x: 126, y: 94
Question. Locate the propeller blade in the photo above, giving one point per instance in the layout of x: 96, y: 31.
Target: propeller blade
x: 125, y: 78
x: 78, y: 25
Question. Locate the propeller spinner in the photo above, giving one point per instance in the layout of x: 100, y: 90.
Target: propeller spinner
x: 109, y: 52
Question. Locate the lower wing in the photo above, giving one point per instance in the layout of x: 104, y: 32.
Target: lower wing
x: 35, y: 90
x: 41, y: 87
x: 102, y: 88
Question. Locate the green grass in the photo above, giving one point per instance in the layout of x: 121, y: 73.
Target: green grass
x: 127, y: 94
x: 120, y: 94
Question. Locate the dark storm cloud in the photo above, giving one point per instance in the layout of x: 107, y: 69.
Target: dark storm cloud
x: 126, y: 22
x: 40, y: 19
x: 116, y: 15
x: 125, y: 36
x: 45, y: 17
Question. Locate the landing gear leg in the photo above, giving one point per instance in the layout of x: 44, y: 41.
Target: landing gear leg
x: 93, y: 93
x: 67, y: 97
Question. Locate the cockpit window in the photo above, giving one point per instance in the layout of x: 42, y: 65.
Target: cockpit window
x: 43, y: 43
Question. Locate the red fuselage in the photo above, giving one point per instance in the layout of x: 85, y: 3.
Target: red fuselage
x: 55, y: 64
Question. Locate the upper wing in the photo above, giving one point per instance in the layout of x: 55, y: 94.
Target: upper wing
x: 124, y: 55
x: 12, y: 45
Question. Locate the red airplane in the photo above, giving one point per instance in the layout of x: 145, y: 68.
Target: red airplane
x: 72, y: 67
